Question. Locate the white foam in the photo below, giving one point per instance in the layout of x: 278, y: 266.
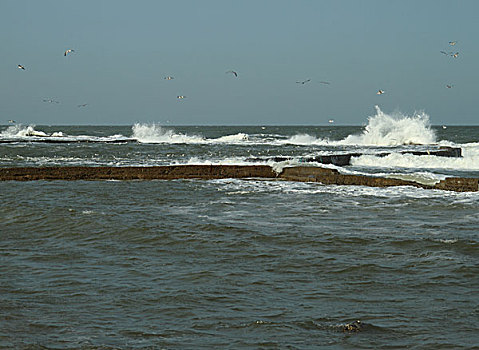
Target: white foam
x: 382, y: 130
x: 305, y: 139
x: 469, y: 161
x: 448, y: 241
x: 154, y: 133
x: 237, y: 138
x: 421, y: 177
x: 394, y: 130
x: 18, y: 130
x: 22, y: 133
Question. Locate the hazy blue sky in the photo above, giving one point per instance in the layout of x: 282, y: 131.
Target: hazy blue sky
x: 124, y: 49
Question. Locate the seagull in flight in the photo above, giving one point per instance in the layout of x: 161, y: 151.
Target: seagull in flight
x: 303, y: 82
x: 83, y: 105
x: 380, y: 92
x: 233, y: 72
x: 169, y: 78
x: 325, y: 82
x: 21, y: 67
x: 451, y: 53
x: 180, y: 97
x: 452, y: 43
x: 50, y: 100
x: 68, y: 51
x: 449, y: 86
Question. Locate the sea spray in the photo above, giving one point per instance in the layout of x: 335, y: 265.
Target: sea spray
x: 382, y: 130
x: 154, y: 133
x: 468, y: 162
x: 394, y: 130
x: 22, y: 131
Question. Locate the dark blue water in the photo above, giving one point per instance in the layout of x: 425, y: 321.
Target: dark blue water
x: 236, y: 264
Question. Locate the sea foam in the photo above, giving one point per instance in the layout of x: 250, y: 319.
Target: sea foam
x: 394, y: 130
x: 382, y: 130
x: 468, y: 161
x: 154, y: 133
x: 22, y: 131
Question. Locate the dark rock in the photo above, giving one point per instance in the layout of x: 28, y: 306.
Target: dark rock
x: 345, y: 159
x: 355, y: 326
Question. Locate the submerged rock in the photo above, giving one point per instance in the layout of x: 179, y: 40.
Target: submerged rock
x: 355, y: 326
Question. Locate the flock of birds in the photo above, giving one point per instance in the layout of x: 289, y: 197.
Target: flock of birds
x: 447, y: 53
x: 302, y: 82
x: 50, y: 100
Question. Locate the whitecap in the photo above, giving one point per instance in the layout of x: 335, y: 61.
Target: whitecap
x: 154, y: 133
x: 382, y: 130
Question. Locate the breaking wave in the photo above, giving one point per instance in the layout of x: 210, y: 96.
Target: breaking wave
x: 382, y: 130
x: 468, y: 161
x: 21, y: 131
x: 394, y: 130
x: 154, y: 133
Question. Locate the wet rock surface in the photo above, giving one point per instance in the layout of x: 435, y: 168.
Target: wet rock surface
x: 345, y: 159
x: 355, y: 326
x: 170, y: 172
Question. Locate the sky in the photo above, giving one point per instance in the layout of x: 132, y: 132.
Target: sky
x: 123, y: 50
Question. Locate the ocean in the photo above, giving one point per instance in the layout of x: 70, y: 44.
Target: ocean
x: 239, y: 264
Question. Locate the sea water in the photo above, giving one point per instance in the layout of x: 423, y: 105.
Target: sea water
x: 239, y: 264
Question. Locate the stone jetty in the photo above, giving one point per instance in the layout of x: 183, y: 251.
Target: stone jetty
x: 345, y: 159
x: 207, y: 172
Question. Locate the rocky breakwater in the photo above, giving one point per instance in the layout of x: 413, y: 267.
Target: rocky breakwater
x: 334, y: 177
x: 345, y: 159
x: 167, y: 172
x: 170, y: 172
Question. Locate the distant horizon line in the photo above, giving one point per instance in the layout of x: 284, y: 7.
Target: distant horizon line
x: 222, y: 125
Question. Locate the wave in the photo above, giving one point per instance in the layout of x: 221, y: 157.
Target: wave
x: 394, y: 130
x: 306, y: 140
x: 29, y: 133
x: 154, y: 133
x: 16, y: 131
x: 382, y: 130
x: 469, y: 160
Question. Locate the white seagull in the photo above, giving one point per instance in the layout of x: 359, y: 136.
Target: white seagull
x: 21, y: 67
x: 68, y: 51
x: 83, y: 105
x: 180, y: 97
x: 233, y: 72
x: 452, y: 43
x: 380, y: 92
x: 169, y: 78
